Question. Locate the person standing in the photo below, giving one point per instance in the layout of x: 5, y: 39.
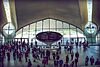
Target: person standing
x: 36, y: 44
x: 26, y: 55
x: 55, y: 63
x: 44, y: 61
x: 29, y: 63
x: 72, y: 63
x: 38, y: 65
x: 8, y: 56
x: 60, y: 63
x: 53, y: 55
x: 76, y: 61
x: 31, y: 44
x: 86, y: 60
x: 57, y: 57
x: 1, y: 60
x: 67, y: 59
x: 48, y: 54
x: 72, y: 55
x: 97, y: 62
x: 14, y: 55
x: 65, y: 65
x: 92, y: 60
x: 20, y: 57
x: 77, y: 55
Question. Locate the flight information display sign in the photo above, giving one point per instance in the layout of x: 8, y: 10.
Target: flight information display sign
x: 48, y: 36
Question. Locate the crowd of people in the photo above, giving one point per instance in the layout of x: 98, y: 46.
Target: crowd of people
x: 22, y: 49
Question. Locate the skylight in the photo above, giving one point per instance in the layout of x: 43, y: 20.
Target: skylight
x: 7, y: 10
x: 89, y: 7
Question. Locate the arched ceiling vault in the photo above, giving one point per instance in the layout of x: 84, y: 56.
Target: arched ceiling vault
x: 3, y: 19
x: 72, y: 11
x: 96, y: 12
x: 29, y: 11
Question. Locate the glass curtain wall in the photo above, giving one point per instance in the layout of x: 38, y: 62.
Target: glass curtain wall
x: 69, y: 32
x: 98, y: 37
x: 1, y: 39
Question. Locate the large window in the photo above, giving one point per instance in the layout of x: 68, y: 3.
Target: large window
x: 67, y: 30
x: 1, y: 38
x: 98, y: 37
x: 91, y: 28
x: 8, y: 29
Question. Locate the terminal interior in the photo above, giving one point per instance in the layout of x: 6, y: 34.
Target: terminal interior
x: 65, y: 27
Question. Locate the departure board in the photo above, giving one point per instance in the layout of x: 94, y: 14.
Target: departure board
x: 48, y: 36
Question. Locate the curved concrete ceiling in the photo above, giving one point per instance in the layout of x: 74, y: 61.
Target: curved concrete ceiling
x: 71, y: 11
x: 96, y: 12
x: 29, y: 11
x: 2, y: 16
